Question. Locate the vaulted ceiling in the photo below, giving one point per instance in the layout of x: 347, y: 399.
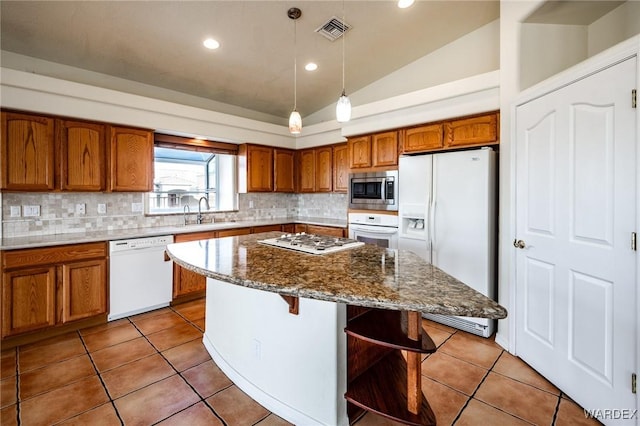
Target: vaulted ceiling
x: 159, y: 43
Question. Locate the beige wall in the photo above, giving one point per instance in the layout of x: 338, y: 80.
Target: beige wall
x: 616, y: 26
x: 548, y: 49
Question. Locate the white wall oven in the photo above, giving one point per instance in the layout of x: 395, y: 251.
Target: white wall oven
x: 374, y: 191
x: 378, y: 229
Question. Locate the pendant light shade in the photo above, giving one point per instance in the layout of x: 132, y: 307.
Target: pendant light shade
x: 343, y: 107
x: 295, y: 123
x: 295, y: 120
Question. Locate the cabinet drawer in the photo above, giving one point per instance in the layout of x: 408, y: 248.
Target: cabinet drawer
x: 52, y: 255
x: 195, y: 236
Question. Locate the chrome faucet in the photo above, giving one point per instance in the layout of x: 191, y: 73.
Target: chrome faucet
x: 186, y: 210
x: 199, y: 219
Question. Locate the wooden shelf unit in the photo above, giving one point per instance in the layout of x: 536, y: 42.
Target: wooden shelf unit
x: 377, y: 364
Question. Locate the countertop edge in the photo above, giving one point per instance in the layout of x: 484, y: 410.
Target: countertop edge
x: 498, y: 312
x: 52, y: 240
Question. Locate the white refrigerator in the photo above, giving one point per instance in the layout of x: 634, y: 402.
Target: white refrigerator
x: 447, y: 216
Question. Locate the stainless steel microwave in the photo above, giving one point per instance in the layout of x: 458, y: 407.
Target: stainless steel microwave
x: 373, y: 191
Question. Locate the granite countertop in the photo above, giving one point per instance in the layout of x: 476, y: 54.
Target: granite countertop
x: 365, y: 276
x: 89, y: 236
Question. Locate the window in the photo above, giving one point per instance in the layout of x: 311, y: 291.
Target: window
x: 184, y: 175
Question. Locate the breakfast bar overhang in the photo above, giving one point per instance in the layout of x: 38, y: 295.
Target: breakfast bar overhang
x: 279, y: 332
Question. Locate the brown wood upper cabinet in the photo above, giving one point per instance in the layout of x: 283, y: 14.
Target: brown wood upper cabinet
x: 359, y: 152
x: 265, y: 169
x: 477, y: 130
x: 462, y: 132
x: 377, y: 150
x: 49, y: 287
x: 284, y: 170
x: 82, y: 155
x: 41, y: 153
x: 324, y: 168
x: 131, y: 158
x: 27, y: 152
x: 384, y: 147
x: 423, y: 138
x: 259, y: 168
x: 307, y: 175
x: 340, y: 168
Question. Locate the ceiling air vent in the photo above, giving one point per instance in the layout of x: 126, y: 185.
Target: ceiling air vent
x: 333, y: 28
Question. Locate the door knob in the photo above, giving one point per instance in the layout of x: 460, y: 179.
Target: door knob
x: 519, y: 244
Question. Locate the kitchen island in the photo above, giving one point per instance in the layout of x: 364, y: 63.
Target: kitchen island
x: 278, y: 333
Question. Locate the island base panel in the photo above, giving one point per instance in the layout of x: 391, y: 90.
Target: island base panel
x: 294, y: 365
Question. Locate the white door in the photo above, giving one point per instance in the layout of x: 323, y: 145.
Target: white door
x: 575, y: 213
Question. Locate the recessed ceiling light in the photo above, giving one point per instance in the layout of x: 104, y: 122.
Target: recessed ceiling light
x: 211, y: 43
x: 403, y: 4
x: 311, y: 66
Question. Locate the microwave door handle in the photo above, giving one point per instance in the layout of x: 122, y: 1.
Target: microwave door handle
x: 383, y: 193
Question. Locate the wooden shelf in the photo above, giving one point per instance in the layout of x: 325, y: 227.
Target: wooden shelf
x: 382, y: 389
x: 388, y: 328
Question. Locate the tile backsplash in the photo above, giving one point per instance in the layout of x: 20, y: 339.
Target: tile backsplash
x: 58, y: 211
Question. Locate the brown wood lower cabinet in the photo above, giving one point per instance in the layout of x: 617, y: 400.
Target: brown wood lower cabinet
x: 49, y: 287
x: 326, y: 230
x: 188, y: 284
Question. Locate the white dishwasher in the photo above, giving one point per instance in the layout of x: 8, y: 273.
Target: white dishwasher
x: 140, y: 279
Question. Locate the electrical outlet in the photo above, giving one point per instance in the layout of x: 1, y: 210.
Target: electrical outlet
x: 102, y: 208
x: 137, y: 207
x: 81, y: 208
x: 15, y: 211
x: 250, y: 204
x: 31, y: 211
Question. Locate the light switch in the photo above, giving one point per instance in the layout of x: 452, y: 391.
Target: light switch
x: 15, y: 211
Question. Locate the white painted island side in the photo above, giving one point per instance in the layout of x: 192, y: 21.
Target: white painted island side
x: 294, y: 365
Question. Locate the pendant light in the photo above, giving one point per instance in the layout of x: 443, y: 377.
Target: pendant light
x: 295, y: 121
x: 343, y: 107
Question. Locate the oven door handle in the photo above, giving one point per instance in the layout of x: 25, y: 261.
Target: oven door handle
x: 375, y: 231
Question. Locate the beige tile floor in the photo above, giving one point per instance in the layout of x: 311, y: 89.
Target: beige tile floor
x: 153, y: 369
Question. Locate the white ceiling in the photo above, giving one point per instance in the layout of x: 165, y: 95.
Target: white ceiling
x: 159, y: 43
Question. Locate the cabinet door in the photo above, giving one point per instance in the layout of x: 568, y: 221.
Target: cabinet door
x: 479, y: 130
x: 307, y: 170
x: 82, y: 154
x: 283, y: 170
x: 266, y: 228
x: 359, y: 151
x: 300, y: 227
x: 423, y: 138
x: 259, y: 169
x: 84, y: 289
x: 28, y: 300
x: 233, y: 232
x: 385, y: 149
x: 325, y: 230
x: 27, y: 152
x: 184, y: 280
x: 289, y: 228
x: 131, y: 158
x: 324, y: 166
x: 340, y: 168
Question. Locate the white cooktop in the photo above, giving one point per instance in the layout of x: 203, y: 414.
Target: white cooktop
x: 312, y: 244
